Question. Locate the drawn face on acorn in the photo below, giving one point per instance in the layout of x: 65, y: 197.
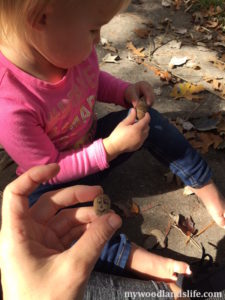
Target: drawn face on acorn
x: 102, y: 204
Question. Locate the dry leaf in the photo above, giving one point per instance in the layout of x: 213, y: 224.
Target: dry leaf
x: 110, y: 48
x: 181, y: 30
x: 134, y: 50
x: 186, y: 90
x: 134, y: 208
x: 205, y: 123
x: 178, y: 4
x: 164, y: 75
x: 187, y: 191
x: 204, y: 140
x: 223, y: 58
x: 177, y: 61
x: 221, y: 127
x: 198, y: 17
x: 109, y: 58
x: 219, y: 64
x: 142, y: 33
x: 190, y: 135
x: 212, y: 24
x: 166, y: 3
x: 185, y: 224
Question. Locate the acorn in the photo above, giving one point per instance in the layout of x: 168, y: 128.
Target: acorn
x: 102, y: 204
x: 141, y: 108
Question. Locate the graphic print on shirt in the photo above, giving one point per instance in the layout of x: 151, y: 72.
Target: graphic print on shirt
x: 71, y: 122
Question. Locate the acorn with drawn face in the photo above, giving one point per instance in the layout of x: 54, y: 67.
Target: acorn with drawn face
x: 102, y: 204
x: 141, y: 108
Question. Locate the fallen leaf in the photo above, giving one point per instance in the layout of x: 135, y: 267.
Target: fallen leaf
x: 212, y: 24
x: 178, y: 4
x: 181, y: 30
x: 166, y: 3
x: 134, y: 50
x: 158, y: 91
x: 219, y: 64
x: 204, y: 140
x: 164, y: 75
x: 198, y: 17
x: 177, y: 61
x: 109, y: 58
x: 190, y: 135
x: 186, y: 90
x: 187, y: 191
x: 205, y: 123
x: 185, y: 224
x: 142, y: 33
x: 222, y: 44
x: 134, y: 208
x: 104, y: 41
x: 110, y: 48
x: 221, y: 127
x: 221, y: 146
x: 223, y: 58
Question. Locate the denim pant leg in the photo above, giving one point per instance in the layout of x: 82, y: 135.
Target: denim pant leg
x: 167, y: 144
x: 103, y: 286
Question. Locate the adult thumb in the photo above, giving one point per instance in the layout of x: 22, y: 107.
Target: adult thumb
x: 131, y: 117
x: 88, y: 248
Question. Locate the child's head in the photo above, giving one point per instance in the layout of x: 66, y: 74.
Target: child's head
x: 63, y: 32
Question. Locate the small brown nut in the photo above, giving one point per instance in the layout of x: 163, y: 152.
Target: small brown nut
x: 102, y: 204
x: 141, y: 109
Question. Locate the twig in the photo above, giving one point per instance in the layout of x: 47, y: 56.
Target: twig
x: 205, y: 228
x: 188, y: 8
x: 194, y: 110
x: 196, y: 244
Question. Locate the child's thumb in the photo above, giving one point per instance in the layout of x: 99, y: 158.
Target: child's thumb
x: 131, y: 117
x: 88, y: 248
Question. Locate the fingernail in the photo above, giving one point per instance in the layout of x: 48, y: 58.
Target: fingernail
x: 188, y: 271
x: 114, y: 221
x: 129, y: 111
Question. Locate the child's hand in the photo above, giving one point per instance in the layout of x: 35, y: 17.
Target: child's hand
x: 128, y: 136
x: 135, y: 91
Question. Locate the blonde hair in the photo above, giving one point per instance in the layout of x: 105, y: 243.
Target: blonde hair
x: 14, y: 14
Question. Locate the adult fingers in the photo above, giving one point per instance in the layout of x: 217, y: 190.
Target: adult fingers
x: 143, y: 123
x: 130, y: 119
x: 88, y: 248
x: 69, y: 218
x: 73, y: 235
x: 51, y: 202
x: 15, y: 202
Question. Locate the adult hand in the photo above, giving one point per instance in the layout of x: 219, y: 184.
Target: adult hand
x: 37, y: 261
x: 135, y: 91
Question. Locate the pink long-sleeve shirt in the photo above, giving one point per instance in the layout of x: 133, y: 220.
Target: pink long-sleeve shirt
x: 42, y: 122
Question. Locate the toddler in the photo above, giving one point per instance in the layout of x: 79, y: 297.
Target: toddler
x: 49, y: 82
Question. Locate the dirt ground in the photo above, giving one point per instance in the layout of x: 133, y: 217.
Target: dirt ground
x: 141, y: 179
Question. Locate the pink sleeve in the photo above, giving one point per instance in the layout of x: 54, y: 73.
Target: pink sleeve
x: 111, y: 89
x: 36, y: 148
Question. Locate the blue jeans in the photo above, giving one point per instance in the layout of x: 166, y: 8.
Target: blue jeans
x: 168, y: 145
